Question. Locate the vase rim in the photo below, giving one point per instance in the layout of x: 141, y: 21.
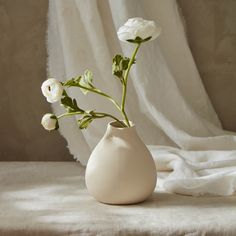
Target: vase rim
x: 116, y: 125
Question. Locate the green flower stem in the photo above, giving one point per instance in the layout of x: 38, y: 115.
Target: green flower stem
x: 113, y: 117
x: 69, y: 114
x: 125, y: 84
x: 102, y: 94
x: 98, y: 115
x: 121, y: 107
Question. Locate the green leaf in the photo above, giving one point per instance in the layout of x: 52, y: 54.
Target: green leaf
x: 71, y: 104
x: 116, y: 68
x: 64, y: 93
x: 146, y: 39
x: 125, y: 63
x: 85, y: 121
x: 86, y: 81
x: 138, y: 40
x: 72, y: 82
x: 117, y: 59
x: 119, y: 66
x: 88, y: 117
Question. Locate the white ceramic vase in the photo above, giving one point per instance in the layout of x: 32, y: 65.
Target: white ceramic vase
x: 120, y: 169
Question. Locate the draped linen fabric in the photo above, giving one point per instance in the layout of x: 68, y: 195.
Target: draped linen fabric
x: 166, y: 98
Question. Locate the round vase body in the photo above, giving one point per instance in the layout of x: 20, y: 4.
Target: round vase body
x: 120, y: 169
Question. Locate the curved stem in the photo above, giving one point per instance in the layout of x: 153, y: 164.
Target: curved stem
x: 125, y: 84
x: 68, y: 114
x: 121, y: 107
x: 102, y: 94
x: 111, y: 116
x: 101, y: 115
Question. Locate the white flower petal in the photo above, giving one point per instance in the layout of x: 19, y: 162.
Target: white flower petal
x: 47, y: 122
x: 52, y: 90
x: 138, y: 27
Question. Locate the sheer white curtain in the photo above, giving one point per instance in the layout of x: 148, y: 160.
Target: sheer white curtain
x: 166, y: 98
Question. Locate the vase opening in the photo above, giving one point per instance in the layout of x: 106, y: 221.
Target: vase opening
x: 117, y: 125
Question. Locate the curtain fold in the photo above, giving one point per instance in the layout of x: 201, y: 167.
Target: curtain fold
x: 166, y: 98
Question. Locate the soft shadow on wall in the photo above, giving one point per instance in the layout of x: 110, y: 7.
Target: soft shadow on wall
x: 22, y: 70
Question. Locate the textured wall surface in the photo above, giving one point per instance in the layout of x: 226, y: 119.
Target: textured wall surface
x: 22, y: 70
x: 211, y: 30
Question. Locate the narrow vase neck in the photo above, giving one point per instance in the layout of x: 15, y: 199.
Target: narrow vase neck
x: 114, y: 129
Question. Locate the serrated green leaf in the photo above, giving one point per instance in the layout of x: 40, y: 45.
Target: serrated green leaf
x: 71, y: 105
x: 118, y: 73
x: 117, y: 59
x: 125, y: 63
x: 86, y: 81
x: 119, y: 66
x: 116, y: 66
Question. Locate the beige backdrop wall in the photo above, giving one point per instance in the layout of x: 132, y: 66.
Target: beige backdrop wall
x: 22, y: 70
x: 211, y: 28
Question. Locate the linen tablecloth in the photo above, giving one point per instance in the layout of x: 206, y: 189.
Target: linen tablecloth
x: 50, y: 198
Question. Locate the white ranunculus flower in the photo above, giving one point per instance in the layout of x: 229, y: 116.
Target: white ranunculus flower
x: 52, y: 90
x: 138, y: 27
x: 48, y: 122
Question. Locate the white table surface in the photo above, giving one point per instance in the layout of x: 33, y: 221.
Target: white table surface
x: 50, y: 198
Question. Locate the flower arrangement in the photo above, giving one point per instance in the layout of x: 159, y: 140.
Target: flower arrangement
x: 135, y: 31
